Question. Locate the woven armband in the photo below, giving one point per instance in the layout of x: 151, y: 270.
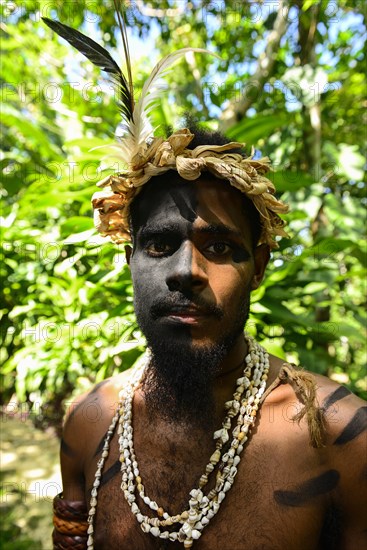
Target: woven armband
x: 70, y: 524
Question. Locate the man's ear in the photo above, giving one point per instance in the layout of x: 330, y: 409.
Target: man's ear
x: 261, y: 258
x: 128, y: 252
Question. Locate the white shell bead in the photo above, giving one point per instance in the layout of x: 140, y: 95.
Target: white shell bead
x: 221, y: 434
x: 221, y: 497
x: 187, y: 529
x: 227, y: 486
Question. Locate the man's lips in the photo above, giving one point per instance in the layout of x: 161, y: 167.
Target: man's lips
x: 184, y: 311
x: 187, y: 315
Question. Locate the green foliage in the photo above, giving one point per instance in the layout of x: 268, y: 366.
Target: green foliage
x: 11, y: 537
x: 67, y: 313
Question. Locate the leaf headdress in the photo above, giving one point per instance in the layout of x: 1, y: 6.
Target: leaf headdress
x: 145, y: 156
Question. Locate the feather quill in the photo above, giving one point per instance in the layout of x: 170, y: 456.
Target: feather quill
x: 122, y: 25
x: 98, y: 56
x: 139, y: 129
x: 136, y: 126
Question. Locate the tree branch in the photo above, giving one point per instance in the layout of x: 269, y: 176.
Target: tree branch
x: 311, y: 129
x: 157, y: 12
x: 237, y: 109
x: 190, y: 59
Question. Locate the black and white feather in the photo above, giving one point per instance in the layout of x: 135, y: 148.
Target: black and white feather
x: 135, y: 128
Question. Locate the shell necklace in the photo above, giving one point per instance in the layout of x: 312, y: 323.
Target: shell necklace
x: 201, y: 507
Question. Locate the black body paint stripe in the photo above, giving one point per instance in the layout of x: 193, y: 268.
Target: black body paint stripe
x: 98, y: 386
x: 337, y: 395
x: 100, y: 445
x: 308, y: 490
x: 186, y: 202
x: 85, y: 400
x: 110, y: 473
x: 66, y: 449
x: 75, y: 408
x: 332, y: 528
x: 354, y: 428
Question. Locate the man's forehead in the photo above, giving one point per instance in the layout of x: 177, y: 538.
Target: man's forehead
x: 187, y: 196
x: 202, y: 202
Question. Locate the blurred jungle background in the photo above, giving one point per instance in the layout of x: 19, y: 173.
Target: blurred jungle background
x: 290, y: 83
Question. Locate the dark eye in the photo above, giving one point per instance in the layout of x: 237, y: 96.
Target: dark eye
x: 220, y: 248
x: 157, y: 248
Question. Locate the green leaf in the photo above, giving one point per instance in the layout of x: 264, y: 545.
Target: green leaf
x: 249, y: 131
x: 312, y: 288
x: 76, y: 225
x: 286, y: 180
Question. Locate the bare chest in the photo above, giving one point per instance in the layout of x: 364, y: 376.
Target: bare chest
x: 266, y: 509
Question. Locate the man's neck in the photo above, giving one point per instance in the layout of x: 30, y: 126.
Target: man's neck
x: 231, y: 368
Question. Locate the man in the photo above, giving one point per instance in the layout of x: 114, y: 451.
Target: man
x: 198, y: 250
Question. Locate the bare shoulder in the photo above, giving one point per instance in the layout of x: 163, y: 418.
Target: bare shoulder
x: 86, y: 422
x: 345, y: 417
x: 101, y: 396
x: 337, y: 471
x: 346, y: 448
x: 97, y: 404
x: 345, y: 413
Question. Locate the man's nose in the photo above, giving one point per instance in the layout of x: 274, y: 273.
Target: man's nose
x: 187, y: 269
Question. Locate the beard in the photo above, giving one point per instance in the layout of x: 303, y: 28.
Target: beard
x: 178, y: 383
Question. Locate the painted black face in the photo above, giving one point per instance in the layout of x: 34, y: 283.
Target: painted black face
x: 193, y: 268
x: 192, y: 262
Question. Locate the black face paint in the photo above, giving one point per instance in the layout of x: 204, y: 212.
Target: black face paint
x: 186, y: 202
x: 354, y: 428
x: 240, y: 255
x: 337, y: 395
x: 308, y: 490
x: 171, y: 223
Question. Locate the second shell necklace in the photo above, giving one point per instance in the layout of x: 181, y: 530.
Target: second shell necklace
x: 186, y: 527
